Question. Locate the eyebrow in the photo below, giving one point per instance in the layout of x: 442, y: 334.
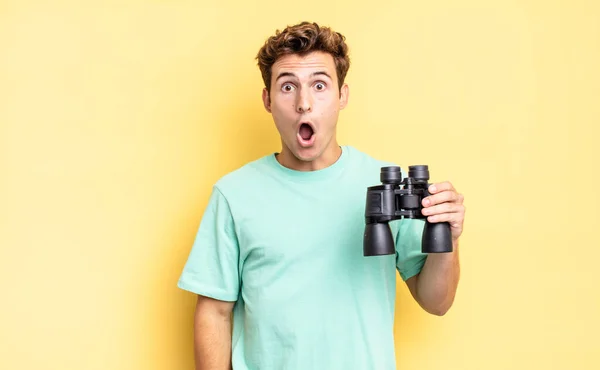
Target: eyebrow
x: 290, y: 74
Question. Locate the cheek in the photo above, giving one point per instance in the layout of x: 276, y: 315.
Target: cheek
x: 282, y: 115
x: 330, y: 105
x: 284, y: 107
x: 331, y: 110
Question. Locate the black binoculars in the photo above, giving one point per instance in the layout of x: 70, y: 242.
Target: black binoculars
x: 394, y: 199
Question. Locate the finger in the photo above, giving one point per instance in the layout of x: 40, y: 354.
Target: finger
x: 445, y: 196
x: 455, y: 219
x: 442, y: 208
x: 441, y: 186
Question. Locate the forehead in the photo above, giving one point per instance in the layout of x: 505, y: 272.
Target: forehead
x: 304, y: 65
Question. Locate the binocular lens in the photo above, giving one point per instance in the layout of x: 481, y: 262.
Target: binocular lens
x: 418, y: 172
x: 390, y: 175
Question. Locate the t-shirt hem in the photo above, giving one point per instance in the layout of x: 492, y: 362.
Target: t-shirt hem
x: 407, y: 274
x: 197, y: 289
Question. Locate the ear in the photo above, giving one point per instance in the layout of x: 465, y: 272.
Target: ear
x: 266, y: 100
x: 344, y: 94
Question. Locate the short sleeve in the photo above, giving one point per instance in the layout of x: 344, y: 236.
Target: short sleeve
x: 212, y: 266
x: 409, y: 258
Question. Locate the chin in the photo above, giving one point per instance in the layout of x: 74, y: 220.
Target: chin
x: 307, y: 154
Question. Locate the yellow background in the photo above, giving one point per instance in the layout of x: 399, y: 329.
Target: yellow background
x: 117, y: 117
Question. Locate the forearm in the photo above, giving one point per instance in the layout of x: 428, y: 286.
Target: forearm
x: 438, y: 281
x: 212, y: 341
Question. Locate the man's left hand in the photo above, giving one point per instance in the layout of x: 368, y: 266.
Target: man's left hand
x: 445, y: 204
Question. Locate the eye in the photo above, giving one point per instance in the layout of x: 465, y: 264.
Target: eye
x: 287, y: 87
x: 320, y: 86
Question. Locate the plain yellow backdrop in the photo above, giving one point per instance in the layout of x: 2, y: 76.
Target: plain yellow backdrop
x: 117, y: 117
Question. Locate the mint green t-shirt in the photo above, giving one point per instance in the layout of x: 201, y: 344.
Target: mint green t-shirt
x: 287, y: 246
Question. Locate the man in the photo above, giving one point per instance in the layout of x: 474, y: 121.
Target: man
x: 280, y: 249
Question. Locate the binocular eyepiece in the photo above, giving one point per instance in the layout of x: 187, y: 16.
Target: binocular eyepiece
x: 394, y: 199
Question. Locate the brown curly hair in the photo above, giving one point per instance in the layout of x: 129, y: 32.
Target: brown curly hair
x: 301, y: 39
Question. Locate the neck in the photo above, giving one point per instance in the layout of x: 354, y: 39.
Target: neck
x: 329, y: 156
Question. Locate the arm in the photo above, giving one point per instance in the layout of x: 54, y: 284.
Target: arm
x: 212, y: 334
x: 434, y: 288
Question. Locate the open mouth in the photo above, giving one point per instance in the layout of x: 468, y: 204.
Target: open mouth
x: 306, y: 131
x: 306, y: 134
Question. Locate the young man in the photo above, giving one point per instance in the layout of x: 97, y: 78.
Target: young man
x: 278, y: 262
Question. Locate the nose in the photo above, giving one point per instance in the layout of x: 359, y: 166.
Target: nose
x: 304, y: 103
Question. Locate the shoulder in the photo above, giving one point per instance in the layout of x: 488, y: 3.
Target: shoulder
x: 369, y: 162
x: 240, y: 178
x: 361, y: 155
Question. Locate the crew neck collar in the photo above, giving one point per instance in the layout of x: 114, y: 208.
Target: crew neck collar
x: 323, y: 173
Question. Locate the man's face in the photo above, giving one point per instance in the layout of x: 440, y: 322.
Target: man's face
x: 305, y: 101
